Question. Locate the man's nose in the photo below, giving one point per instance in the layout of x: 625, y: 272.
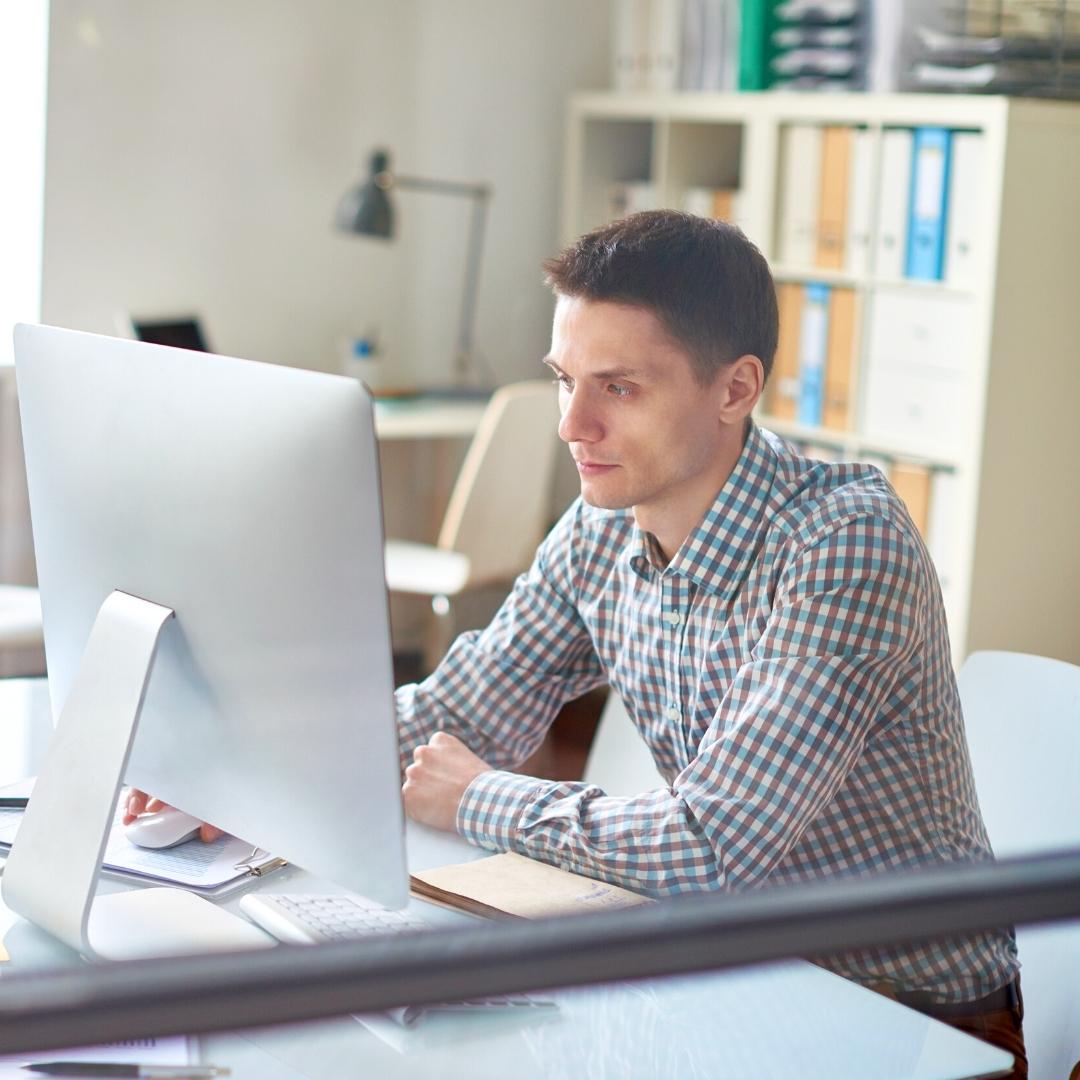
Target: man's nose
x: 579, y: 422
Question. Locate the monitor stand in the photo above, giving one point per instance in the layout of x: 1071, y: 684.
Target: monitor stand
x: 52, y: 870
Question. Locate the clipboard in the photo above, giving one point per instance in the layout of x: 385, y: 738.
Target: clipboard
x: 212, y: 870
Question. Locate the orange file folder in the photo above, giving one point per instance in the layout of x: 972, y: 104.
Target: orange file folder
x: 832, y: 209
x: 784, y: 396
x: 912, y: 484
x: 840, y: 361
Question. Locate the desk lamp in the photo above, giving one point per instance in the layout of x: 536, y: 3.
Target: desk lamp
x: 366, y: 210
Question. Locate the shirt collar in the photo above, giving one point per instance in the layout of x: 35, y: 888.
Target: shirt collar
x: 718, y: 552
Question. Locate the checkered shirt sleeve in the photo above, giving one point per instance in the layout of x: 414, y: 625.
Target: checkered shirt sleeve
x: 790, y: 727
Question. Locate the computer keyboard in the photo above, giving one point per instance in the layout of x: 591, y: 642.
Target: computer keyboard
x: 311, y: 918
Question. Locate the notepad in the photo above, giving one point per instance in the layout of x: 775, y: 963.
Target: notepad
x: 513, y: 886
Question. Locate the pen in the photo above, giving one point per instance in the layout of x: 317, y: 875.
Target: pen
x: 110, y: 1069
x: 13, y: 802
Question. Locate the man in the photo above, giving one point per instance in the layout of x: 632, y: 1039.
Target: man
x: 773, y: 624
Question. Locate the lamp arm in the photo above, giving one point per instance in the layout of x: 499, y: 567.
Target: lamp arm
x: 467, y: 323
x: 480, y: 194
x: 444, y: 187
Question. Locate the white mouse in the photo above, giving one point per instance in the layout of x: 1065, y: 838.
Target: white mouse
x: 162, y: 829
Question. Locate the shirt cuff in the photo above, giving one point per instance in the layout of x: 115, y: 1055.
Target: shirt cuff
x: 491, y: 808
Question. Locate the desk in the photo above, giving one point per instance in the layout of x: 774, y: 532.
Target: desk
x: 775, y: 1020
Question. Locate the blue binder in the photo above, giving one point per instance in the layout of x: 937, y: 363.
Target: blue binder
x: 813, y: 346
x: 929, y: 194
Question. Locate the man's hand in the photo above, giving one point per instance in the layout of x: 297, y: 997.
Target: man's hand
x: 437, y: 779
x: 138, y: 802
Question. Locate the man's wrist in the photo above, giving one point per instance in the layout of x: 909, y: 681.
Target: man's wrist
x: 491, y: 807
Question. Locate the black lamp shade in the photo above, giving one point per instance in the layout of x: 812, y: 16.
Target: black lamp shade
x: 366, y: 209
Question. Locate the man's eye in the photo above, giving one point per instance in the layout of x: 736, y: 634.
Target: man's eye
x: 564, y: 381
x: 619, y: 391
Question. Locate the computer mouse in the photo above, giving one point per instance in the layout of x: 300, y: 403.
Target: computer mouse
x: 162, y: 829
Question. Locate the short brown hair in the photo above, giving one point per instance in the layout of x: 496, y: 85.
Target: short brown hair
x: 708, y: 285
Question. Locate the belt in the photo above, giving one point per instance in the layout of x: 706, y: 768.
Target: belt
x: 1007, y: 997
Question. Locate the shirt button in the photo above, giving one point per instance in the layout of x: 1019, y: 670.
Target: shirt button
x: 674, y: 618
x: 673, y: 713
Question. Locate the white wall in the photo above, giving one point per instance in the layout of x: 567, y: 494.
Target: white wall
x: 195, y: 155
x: 23, y: 51
x: 493, y: 77
x: 196, y: 152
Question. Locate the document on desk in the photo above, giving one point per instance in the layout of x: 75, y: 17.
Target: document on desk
x: 515, y: 886
x: 174, y: 1050
x: 196, y: 866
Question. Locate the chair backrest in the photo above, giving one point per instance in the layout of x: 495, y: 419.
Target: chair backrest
x: 501, y: 503
x: 1022, y: 717
x: 619, y: 761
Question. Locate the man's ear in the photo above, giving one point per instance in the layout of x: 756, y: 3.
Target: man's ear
x: 743, y: 381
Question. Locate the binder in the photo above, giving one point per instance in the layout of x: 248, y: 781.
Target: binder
x: 912, y: 484
x: 893, y: 194
x: 784, y: 392
x: 840, y: 361
x: 940, y: 527
x: 964, y: 205
x: 723, y: 206
x: 758, y: 20
x: 630, y: 38
x: 813, y: 346
x: 833, y: 203
x: 801, y: 147
x: 664, y: 45
x: 929, y: 190
x: 860, y: 202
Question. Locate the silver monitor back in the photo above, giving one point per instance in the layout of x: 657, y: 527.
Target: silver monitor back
x: 245, y: 496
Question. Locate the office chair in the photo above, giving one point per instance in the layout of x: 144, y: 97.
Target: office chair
x: 1022, y: 716
x: 498, y: 511
x: 22, y: 642
x: 619, y: 762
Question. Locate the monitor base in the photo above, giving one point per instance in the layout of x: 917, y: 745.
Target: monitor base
x: 166, y: 922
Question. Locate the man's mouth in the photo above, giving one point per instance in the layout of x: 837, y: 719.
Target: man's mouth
x: 593, y: 468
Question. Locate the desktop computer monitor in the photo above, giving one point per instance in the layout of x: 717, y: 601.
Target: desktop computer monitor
x: 245, y: 497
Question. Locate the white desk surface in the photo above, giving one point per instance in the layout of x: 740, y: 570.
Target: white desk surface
x: 775, y: 1020
x: 427, y: 418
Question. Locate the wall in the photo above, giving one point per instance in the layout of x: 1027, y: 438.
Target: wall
x: 493, y: 78
x: 23, y: 51
x: 196, y: 152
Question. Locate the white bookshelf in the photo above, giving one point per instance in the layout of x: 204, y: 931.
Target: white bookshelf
x: 1007, y: 425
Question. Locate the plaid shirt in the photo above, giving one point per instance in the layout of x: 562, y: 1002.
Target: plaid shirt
x: 790, y: 672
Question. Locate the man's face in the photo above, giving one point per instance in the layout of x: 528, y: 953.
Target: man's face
x: 642, y: 430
